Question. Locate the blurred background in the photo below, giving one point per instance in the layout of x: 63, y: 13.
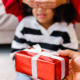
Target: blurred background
x: 8, y: 25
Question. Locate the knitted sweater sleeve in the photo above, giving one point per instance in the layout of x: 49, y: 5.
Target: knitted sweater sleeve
x: 76, y: 4
x: 14, y: 7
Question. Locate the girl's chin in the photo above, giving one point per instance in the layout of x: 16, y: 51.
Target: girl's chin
x: 42, y: 21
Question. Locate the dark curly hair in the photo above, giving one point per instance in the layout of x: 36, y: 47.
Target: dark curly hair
x: 65, y: 12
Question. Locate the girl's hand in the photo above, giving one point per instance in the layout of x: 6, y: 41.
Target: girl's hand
x: 50, y: 3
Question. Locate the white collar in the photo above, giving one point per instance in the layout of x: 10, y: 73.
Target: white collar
x: 50, y: 29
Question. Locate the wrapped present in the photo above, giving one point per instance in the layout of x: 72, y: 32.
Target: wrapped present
x: 42, y: 64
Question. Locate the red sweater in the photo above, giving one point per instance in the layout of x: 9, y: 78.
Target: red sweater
x: 15, y: 7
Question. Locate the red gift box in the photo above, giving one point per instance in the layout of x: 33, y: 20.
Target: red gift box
x: 45, y: 68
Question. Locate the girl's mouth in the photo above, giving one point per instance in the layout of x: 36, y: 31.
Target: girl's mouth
x: 41, y: 15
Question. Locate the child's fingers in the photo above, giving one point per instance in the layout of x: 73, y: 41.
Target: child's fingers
x: 34, y: 78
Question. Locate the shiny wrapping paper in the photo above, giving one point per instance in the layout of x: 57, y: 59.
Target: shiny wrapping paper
x: 47, y: 68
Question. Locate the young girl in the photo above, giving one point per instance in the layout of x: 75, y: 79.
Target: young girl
x: 51, y: 28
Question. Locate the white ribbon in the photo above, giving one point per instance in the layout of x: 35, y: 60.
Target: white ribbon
x: 37, y: 49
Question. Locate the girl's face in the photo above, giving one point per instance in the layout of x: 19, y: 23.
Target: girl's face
x: 43, y: 16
